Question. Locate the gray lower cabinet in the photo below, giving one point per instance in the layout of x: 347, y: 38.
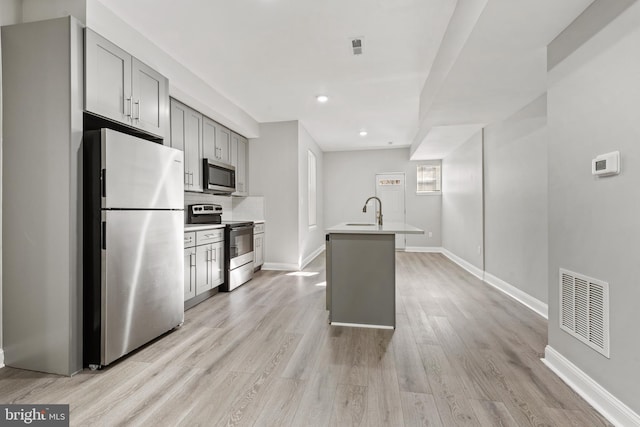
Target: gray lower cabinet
x: 203, y: 262
x: 209, y: 266
x: 120, y: 87
x: 189, y: 265
x: 258, y: 246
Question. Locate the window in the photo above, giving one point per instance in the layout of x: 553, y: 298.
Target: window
x: 429, y: 179
x: 312, y: 188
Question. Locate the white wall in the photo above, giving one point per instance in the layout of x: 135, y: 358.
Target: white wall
x: 349, y: 179
x: 515, y: 199
x: 10, y: 13
x: 311, y: 238
x: 462, y: 211
x: 593, y: 223
x: 183, y: 84
x: 273, y: 173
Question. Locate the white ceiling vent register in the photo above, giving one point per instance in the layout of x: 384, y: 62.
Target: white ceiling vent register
x: 584, y: 309
x: 357, y: 45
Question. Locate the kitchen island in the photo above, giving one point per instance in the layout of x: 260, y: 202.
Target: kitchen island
x: 361, y: 273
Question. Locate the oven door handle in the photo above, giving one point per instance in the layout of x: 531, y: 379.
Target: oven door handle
x: 246, y: 227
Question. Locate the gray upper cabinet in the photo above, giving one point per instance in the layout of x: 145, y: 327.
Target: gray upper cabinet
x: 216, y: 141
x: 209, y: 131
x: 150, y: 95
x: 223, y: 144
x: 239, y: 147
x: 122, y: 88
x: 186, y: 135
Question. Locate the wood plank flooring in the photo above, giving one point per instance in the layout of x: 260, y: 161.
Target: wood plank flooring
x: 463, y: 354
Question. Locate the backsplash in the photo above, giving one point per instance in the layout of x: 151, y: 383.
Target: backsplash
x: 191, y: 198
x: 248, y: 208
x: 233, y: 208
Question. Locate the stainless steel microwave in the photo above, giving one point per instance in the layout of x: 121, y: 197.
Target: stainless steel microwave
x: 219, y: 178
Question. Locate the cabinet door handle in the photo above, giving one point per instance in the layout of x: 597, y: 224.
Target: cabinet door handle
x: 213, y: 253
x: 192, y: 259
x: 137, y: 102
x: 190, y: 178
x: 186, y: 178
x: 188, y: 239
x: 129, y: 100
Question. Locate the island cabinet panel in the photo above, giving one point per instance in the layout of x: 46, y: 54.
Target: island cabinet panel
x: 361, y: 275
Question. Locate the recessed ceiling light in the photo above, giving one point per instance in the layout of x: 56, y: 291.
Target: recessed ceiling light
x: 363, y: 133
x: 322, y: 98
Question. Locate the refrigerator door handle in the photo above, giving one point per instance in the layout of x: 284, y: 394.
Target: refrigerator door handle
x: 104, y: 235
x: 103, y: 182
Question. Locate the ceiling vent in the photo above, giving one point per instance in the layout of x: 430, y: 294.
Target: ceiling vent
x: 357, y: 45
x: 584, y: 310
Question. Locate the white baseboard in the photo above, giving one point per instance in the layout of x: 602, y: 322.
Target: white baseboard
x: 278, y: 266
x: 312, y: 256
x: 604, y: 402
x: 1, y: 358
x: 524, y: 298
x: 362, y: 325
x: 464, y: 264
x: 424, y: 249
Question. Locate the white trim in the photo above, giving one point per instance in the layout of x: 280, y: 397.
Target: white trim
x: 524, y: 298
x: 597, y: 396
x: 279, y: 266
x: 311, y: 257
x: 424, y: 249
x: 464, y: 264
x: 361, y: 325
x: 517, y: 294
x: 1, y: 358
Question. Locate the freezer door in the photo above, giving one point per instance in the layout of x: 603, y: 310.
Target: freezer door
x: 142, y: 278
x: 140, y: 174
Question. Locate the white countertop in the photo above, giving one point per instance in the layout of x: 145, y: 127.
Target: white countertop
x: 387, y: 228
x: 199, y: 227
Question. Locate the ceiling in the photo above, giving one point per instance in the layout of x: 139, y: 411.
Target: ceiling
x: 272, y: 57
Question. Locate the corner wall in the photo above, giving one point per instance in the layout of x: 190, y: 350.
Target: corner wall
x: 311, y: 238
x: 462, y: 204
x: 10, y: 13
x: 273, y: 174
x: 515, y: 200
x: 593, y: 222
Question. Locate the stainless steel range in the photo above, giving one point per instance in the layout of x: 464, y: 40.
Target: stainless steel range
x: 238, y: 255
x: 238, y: 242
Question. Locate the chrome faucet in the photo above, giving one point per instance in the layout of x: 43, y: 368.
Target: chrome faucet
x: 379, y: 213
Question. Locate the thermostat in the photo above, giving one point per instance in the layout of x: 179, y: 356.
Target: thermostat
x: 606, y: 164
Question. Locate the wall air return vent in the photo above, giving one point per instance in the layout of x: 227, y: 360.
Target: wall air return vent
x: 357, y: 45
x: 584, y: 309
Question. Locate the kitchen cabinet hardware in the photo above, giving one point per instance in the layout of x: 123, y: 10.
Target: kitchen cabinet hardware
x: 137, y: 103
x: 130, y: 101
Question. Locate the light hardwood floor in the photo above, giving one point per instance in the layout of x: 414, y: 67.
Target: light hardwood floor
x: 264, y: 355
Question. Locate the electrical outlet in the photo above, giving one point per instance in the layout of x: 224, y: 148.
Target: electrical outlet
x: 479, y: 249
x: 430, y: 234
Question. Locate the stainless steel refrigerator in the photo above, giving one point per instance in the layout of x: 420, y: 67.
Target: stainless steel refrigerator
x: 133, y: 243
